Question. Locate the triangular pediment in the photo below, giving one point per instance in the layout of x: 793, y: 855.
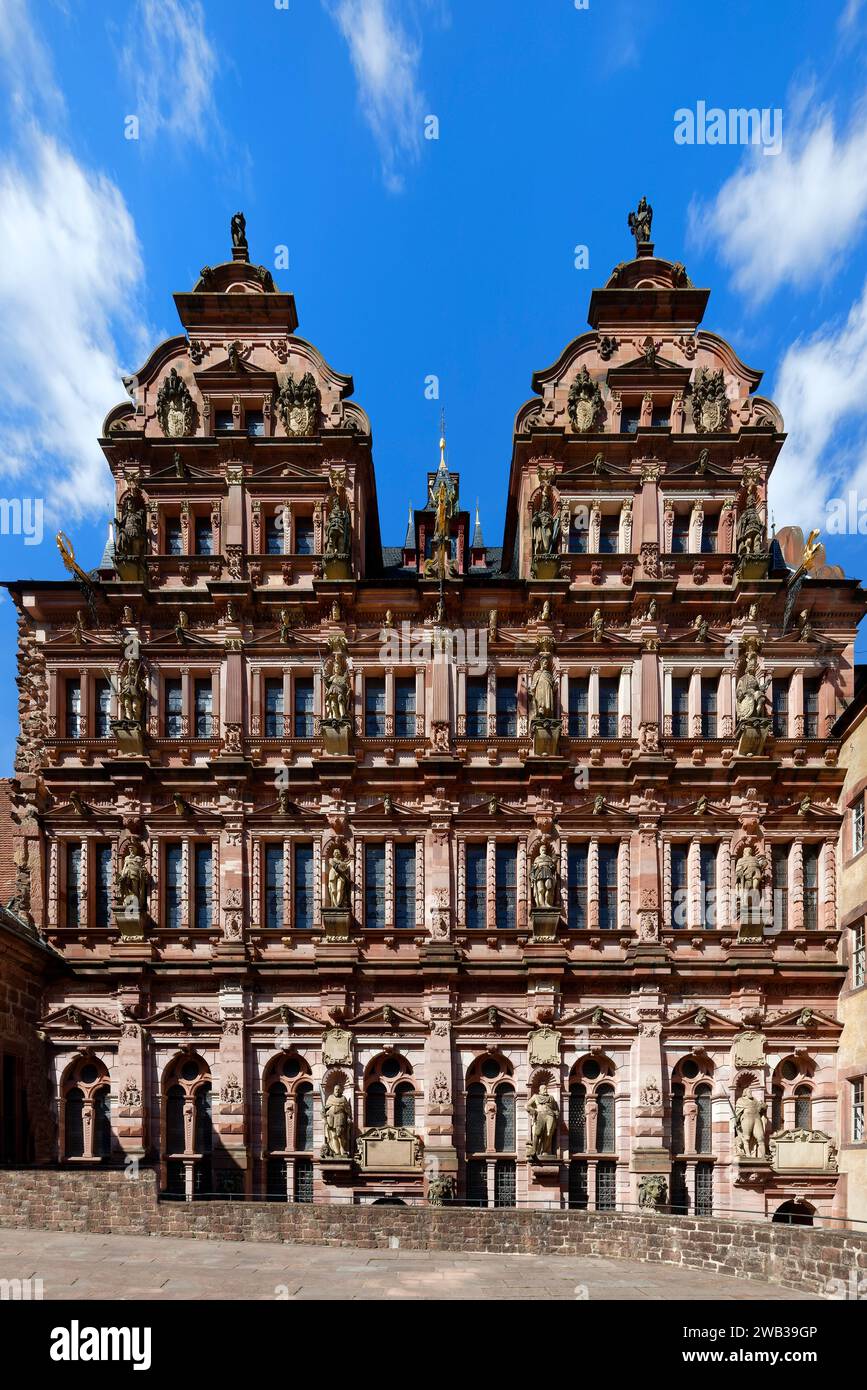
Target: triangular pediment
x: 181, y: 1018
x: 288, y: 1018
x: 699, y: 1020
x: 388, y: 1018
x: 480, y: 1020
x: 78, y: 1020
x: 807, y: 1028
x: 596, y: 1017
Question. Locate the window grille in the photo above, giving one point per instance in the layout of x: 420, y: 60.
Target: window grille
x: 606, y: 1186
x: 277, y: 1118
x: 504, y: 1183
x: 404, y: 1105
x: 578, y: 1192
x: 704, y: 1189
x: 477, y: 1183
x: 304, y: 1180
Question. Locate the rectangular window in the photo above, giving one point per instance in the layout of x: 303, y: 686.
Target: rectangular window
x: 274, y: 533
x: 709, y: 706
x: 811, y: 707
x: 173, y: 694
x: 374, y: 886
x: 303, y: 692
x: 679, y: 885
x: 477, y: 707
x: 859, y: 958
x: 811, y: 887
x: 579, y: 704
x: 273, y: 886
x: 73, y: 709
x: 274, y: 707
x: 204, y: 536
x: 477, y: 1183
x: 203, y: 694
x: 630, y: 415
x: 680, y: 534
x: 606, y: 1186
x: 780, y: 872
x: 103, y: 885
x: 609, y: 534
x: 608, y: 886
x: 203, y: 887
x: 477, y: 895
x: 578, y: 1184
x: 858, y: 825
x: 506, y: 886
x: 858, y: 1110
x: 404, y: 707
x: 302, y: 886
x: 707, y: 870
x: 507, y: 706
x: 709, y: 534
x: 703, y: 1189
x: 680, y: 707
x: 173, y: 884
x: 374, y: 707
x: 661, y: 417
x: 780, y: 706
x: 223, y: 420
x: 608, y: 700
x: 73, y: 885
x: 304, y: 535
x: 102, y: 723
x: 579, y: 532
x: 576, y: 879
x: 404, y: 885
x: 254, y: 423
x: 174, y: 536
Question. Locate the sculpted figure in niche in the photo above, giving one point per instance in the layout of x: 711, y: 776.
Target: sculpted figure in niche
x: 336, y: 687
x: 546, y: 526
x: 130, y: 690
x: 338, y: 879
x: 544, y: 877
x: 132, y: 877
x: 337, y: 526
x: 750, y: 1127
x: 130, y: 525
x: 338, y: 1119
x: 544, y: 1114
x: 542, y: 689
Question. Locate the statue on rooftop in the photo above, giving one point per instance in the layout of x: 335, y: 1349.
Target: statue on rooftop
x: 239, y: 232
x: 640, y: 222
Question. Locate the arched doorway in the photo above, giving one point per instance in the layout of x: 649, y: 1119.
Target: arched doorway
x: 795, y: 1213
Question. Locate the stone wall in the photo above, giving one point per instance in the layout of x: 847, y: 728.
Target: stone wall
x: 798, y: 1257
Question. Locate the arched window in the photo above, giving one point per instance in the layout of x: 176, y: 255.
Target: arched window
x: 605, y: 1136
x: 678, y: 1133
x: 703, y: 1120
x: 577, y: 1118
x: 504, y: 1119
x: 304, y: 1116
x: 277, y: 1095
x: 803, y: 1108
x: 203, y: 1141
x: 374, y: 1104
x: 86, y: 1109
x: 389, y: 1091
x: 404, y: 1105
x: 476, y: 1142
x: 175, y: 1139
x: 74, y: 1123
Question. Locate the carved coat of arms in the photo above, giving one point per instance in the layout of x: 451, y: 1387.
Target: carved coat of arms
x: 299, y: 404
x: 175, y: 409
x: 709, y: 401
x: 585, y: 402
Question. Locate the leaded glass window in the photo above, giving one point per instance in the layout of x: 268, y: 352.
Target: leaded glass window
x: 203, y: 1127
x: 609, y: 687
x: 679, y: 1190
x: 859, y: 956
x: 172, y: 887
x: 477, y: 873
x: 73, y: 709
x: 605, y: 1136
x: 578, y: 1193
x: 707, y: 870
x: 576, y: 863
x: 404, y: 1105
x: 274, y: 534
x: 74, y: 1123
x: 374, y: 1104
x: 274, y: 707
x: 374, y: 707
x: 579, y: 706
x: 173, y: 694
x: 679, y: 885
x: 678, y: 1134
x: 174, y: 536
x: 476, y: 1129
x: 277, y: 1117
x: 103, y: 709
x: 606, y: 1186
x: 780, y: 706
x: 303, y: 1180
x: 274, y: 885
x: 374, y: 886
x: 780, y: 873
x: 703, y: 1120
x: 303, y: 706
x: 404, y: 886
x: 477, y: 1183
x: 811, y: 887
x: 73, y: 885
x: 506, y: 885
x: 680, y: 707
x: 302, y: 886
x: 609, y: 533
x: 704, y: 1189
x: 803, y: 1108
x: 204, y: 536
x: 102, y: 1122
x: 504, y: 1183
x: 204, y: 706
x: 709, y: 706
x: 304, y: 1116
x: 577, y: 1119
x: 504, y: 1120
x: 811, y: 707
x: 507, y: 706
x: 404, y: 707
x: 104, y: 885
x: 477, y: 707
x: 305, y: 537
x: 608, y: 886
x: 203, y: 886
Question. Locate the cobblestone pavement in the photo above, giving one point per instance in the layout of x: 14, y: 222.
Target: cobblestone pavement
x: 132, y: 1267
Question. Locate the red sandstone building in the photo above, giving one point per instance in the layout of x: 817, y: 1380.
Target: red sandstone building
x: 350, y: 871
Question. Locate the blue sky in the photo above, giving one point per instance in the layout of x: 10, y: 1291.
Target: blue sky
x: 412, y: 257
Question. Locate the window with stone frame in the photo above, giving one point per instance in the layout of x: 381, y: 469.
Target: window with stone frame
x: 389, y: 1091
x: 859, y: 955
x: 780, y: 885
x: 576, y: 886
x: 579, y: 707
x: 812, y: 688
x: 506, y: 885
x: 591, y: 1081
x: 692, y: 1106
x: 476, y: 862
x: 72, y: 696
x: 85, y: 1111
x: 302, y: 695
x: 780, y: 689
x: 173, y: 707
x: 857, y: 1109
x: 273, y: 701
x: 679, y: 905
x: 72, y: 894
x: 811, y: 886
x: 858, y: 824
x: 507, y: 706
x: 273, y: 864
x: 302, y: 886
x: 304, y: 535
x: 288, y: 1105
x: 476, y: 716
x: 490, y: 1106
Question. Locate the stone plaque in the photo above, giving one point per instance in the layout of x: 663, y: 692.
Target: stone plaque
x: 337, y: 1047
x: 803, y: 1150
x: 545, y: 1047
x: 392, y: 1148
x: 749, y: 1049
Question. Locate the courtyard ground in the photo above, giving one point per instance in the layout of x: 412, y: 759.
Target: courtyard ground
x: 80, y: 1266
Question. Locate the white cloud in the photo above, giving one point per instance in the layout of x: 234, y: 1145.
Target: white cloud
x: 386, y: 63
x: 173, y: 66
x: 789, y: 219
x: 821, y: 390
x: 25, y: 61
x: 69, y: 277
